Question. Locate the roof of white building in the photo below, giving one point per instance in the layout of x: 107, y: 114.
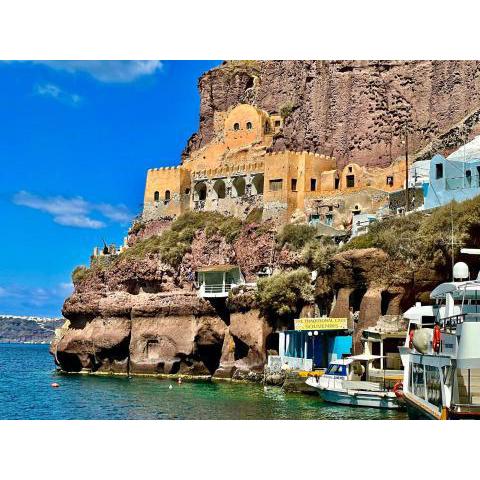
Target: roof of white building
x: 470, y: 151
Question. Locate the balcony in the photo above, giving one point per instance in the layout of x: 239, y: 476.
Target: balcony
x: 216, y: 281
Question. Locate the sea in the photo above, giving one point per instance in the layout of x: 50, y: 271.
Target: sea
x: 27, y: 372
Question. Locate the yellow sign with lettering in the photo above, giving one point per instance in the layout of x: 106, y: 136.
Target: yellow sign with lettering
x: 320, y: 323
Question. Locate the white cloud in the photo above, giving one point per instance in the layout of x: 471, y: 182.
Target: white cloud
x: 26, y: 299
x: 108, y: 71
x: 55, y: 92
x: 73, y: 212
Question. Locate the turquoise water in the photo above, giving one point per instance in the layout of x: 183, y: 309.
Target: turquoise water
x: 26, y: 372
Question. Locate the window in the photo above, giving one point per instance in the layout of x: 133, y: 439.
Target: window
x: 276, y: 185
x: 187, y: 191
x: 350, y: 169
x: 277, y: 123
x: 478, y: 175
x: 236, y: 126
x: 337, y: 183
x: 249, y: 125
x: 294, y: 184
x: 156, y: 196
x: 468, y: 178
x: 350, y: 181
x: 390, y: 180
x: 313, y: 184
x: 438, y: 171
x: 167, y: 196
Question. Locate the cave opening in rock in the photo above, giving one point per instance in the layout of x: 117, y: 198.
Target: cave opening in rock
x: 356, y: 297
x: 241, y: 348
x: 69, y: 362
x: 271, y: 342
x: 385, y: 301
x: 221, y: 309
x: 210, y: 355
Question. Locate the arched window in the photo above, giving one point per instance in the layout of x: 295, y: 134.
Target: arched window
x: 239, y: 187
x: 156, y: 196
x: 187, y: 191
x: 200, y: 191
x: 167, y: 195
x: 236, y: 126
x: 249, y: 125
x: 219, y: 188
x: 257, y: 184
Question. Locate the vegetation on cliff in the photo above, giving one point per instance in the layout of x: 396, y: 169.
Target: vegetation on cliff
x: 425, y: 238
x: 283, y: 294
x: 174, y: 243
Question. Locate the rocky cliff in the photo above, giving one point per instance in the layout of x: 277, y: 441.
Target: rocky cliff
x: 353, y: 110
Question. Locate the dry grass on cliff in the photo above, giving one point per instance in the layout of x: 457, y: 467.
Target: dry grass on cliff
x: 424, y: 238
x: 173, y: 244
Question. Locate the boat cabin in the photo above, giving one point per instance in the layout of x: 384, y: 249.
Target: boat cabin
x: 216, y: 281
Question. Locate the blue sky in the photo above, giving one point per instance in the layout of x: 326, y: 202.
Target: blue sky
x: 76, y: 141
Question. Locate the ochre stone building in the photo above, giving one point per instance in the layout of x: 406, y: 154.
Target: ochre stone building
x: 235, y: 173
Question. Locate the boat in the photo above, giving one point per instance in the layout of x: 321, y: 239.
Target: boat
x: 441, y: 355
x: 346, y: 382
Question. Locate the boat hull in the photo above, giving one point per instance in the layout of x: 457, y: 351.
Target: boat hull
x: 359, y: 399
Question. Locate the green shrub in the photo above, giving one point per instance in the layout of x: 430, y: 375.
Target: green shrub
x: 297, y: 236
x: 318, y: 254
x: 286, y: 109
x: 137, y: 226
x: 79, y: 274
x: 283, y: 294
x: 254, y: 216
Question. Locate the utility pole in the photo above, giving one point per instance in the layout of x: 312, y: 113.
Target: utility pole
x: 407, y: 200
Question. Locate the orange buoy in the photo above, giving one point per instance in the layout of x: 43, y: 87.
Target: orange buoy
x: 55, y: 385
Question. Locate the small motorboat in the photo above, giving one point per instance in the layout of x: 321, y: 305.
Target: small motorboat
x: 346, y: 382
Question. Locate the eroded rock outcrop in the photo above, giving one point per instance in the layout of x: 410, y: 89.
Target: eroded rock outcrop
x: 353, y: 110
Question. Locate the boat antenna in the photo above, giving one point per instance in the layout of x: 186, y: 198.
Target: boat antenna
x: 453, y: 253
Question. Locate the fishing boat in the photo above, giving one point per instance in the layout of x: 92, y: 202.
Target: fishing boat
x: 346, y: 382
x: 441, y: 355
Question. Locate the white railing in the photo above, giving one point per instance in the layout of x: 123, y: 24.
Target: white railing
x: 275, y: 363
x: 215, y: 290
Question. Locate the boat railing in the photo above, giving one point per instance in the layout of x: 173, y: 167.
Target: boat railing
x: 449, y: 324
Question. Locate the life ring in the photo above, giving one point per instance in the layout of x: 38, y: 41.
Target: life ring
x: 398, y: 389
x: 437, y: 335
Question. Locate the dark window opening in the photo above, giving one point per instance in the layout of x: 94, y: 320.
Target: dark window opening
x: 313, y: 184
x: 156, y: 196
x: 478, y: 175
x: 277, y: 123
x: 276, y: 185
x: 390, y: 180
x: 236, y: 126
x: 294, y: 184
x: 201, y: 190
x: 187, y: 191
x: 267, y: 127
x: 249, y: 125
x: 438, y: 171
x: 349, y: 169
x: 468, y: 175
x: 219, y: 187
x: 350, y: 181
x: 385, y: 302
x: 356, y: 297
x: 337, y: 183
x: 167, y: 196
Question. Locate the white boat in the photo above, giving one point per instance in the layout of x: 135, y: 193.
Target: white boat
x: 343, y: 383
x: 441, y: 355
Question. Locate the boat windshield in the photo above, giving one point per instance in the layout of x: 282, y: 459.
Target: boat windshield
x: 335, y: 369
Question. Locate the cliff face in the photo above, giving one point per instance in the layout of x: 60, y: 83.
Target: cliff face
x: 140, y: 315
x: 353, y: 110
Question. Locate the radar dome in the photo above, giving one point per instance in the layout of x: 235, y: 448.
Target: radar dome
x: 460, y: 271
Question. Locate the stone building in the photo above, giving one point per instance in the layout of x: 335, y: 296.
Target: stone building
x: 236, y: 172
